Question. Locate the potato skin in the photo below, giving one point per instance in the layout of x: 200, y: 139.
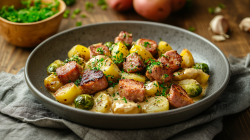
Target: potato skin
x: 187, y: 59
x: 80, y: 51
x: 156, y: 104
x: 52, y: 83
x: 142, y: 51
x: 156, y: 10
x: 152, y: 88
x: 136, y: 77
x: 67, y: 93
x: 120, y: 5
x: 163, y: 47
x: 120, y: 107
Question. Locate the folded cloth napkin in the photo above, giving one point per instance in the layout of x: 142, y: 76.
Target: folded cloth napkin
x: 23, y: 117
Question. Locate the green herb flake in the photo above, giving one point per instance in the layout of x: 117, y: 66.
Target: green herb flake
x: 113, y: 94
x: 89, y: 6
x: 104, y: 7
x: 192, y: 29
x: 125, y: 100
x: 160, y: 39
x: 83, y: 16
x: 77, y: 11
x: 100, y: 50
x: 139, y: 106
x: 78, y: 23
x: 211, y: 10
x: 115, y: 99
x: 221, y: 5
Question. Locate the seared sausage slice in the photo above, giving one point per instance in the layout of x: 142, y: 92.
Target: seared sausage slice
x: 150, y: 45
x: 99, y: 49
x: 178, y: 97
x: 93, y: 81
x: 133, y: 63
x: 131, y: 90
x: 171, y: 59
x: 126, y: 38
x: 160, y: 73
x: 69, y: 72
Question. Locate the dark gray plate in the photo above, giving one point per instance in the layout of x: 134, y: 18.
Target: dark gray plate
x: 57, y: 47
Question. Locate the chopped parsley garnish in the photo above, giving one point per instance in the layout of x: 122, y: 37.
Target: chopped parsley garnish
x: 166, y: 75
x: 89, y: 6
x: 66, y: 13
x: 160, y: 39
x: 192, y: 29
x: 124, y: 35
x: 100, y: 50
x: 115, y: 99
x: 125, y: 100
x: 77, y: 11
x: 155, y: 84
x: 78, y: 23
x: 83, y: 16
x: 78, y: 81
x: 69, y: 81
x: 139, y: 106
x: 103, y: 4
x: 113, y: 94
x: 211, y: 10
x: 146, y: 44
x: 32, y: 11
x: 221, y: 5
x: 55, y: 74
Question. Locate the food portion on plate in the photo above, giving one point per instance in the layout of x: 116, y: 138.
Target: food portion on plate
x: 126, y: 77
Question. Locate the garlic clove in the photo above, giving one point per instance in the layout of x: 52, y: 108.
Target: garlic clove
x: 219, y: 25
x: 218, y: 38
x: 245, y: 24
x: 217, y: 10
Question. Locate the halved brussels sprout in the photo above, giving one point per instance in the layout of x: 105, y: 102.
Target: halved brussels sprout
x: 84, y: 101
x: 204, y: 67
x: 192, y: 90
x: 53, y: 66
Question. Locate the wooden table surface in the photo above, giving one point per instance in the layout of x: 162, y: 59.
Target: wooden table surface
x: 236, y: 126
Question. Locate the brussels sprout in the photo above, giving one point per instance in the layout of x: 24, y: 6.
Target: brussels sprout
x: 84, y: 101
x: 204, y: 67
x: 109, y: 45
x: 77, y: 59
x: 53, y: 66
x: 192, y: 90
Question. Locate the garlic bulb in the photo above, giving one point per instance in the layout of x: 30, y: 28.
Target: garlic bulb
x: 219, y: 25
x: 245, y: 24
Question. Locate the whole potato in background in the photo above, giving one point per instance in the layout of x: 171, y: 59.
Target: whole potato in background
x: 120, y: 5
x: 155, y: 10
x: 176, y: 5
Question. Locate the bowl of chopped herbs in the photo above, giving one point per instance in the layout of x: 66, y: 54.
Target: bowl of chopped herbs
x: 26, y: 23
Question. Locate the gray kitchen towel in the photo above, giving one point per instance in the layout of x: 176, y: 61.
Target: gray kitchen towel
x: 22, y: 117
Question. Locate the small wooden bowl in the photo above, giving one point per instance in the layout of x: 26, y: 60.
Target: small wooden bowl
x: 29, y: 34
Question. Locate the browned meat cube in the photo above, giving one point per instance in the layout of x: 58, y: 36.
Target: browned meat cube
x: 159, y: 72
x: 99, y: 49
x: 93, y: 81
x: 69, y: 72
x: 150, y: 45
x: 126, y: 38
x: 178, y: 97
x: 131, y: 90
x: 133, y: 63
x: 171, y: 59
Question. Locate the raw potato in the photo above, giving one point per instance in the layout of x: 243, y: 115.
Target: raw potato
x: 191, y: 73
x: 155, y: 10
x: 102, y: 102
x: 52, y: 83
x: 120, y: 5
x: 80, y: 51
x: 120, y: 107
x: 67, y: 93
x: 156, y: 104
x: 187, y: 59
x: 163, y: 47
x: 110, y: 69
x: 142, y: 51
x: 119, y: 52
x: 152, y: 88
x: 136, y: 77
